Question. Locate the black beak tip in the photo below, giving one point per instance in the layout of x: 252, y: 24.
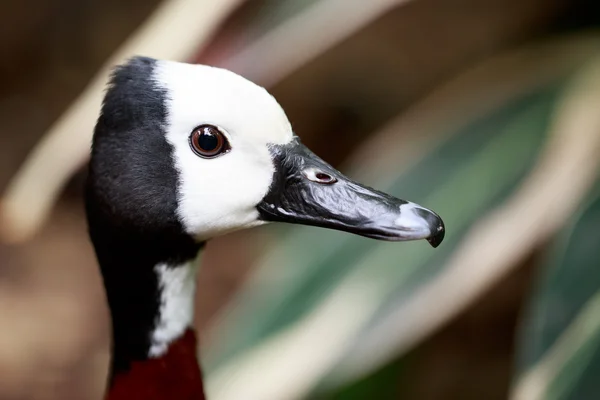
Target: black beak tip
x: 437, y: 235
x: 436, y: 227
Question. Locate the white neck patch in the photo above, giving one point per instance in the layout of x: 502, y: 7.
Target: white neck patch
x: 177, y: 286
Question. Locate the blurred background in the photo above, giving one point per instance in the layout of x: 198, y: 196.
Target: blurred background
x: 487, y: 111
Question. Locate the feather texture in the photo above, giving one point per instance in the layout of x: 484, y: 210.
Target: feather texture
x: 175, y: 375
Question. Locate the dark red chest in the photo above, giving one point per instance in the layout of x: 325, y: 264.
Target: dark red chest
x: 175, y: 375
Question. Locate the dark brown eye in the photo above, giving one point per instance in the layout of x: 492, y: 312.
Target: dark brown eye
x: 208, y: 141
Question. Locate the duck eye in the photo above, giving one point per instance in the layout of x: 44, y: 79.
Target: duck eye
x: 208, y: 141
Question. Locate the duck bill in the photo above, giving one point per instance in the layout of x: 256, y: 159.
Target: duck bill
x: 308, y: 191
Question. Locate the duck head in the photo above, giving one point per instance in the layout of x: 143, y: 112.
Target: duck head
x: 211, y: 152
x: 183, y: 153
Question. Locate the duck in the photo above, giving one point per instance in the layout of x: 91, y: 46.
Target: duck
x: 182, y: 153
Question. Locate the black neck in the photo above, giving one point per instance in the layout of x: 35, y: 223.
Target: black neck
x: 128, y: 256
x: 132, y: 203
x: 128, y: 263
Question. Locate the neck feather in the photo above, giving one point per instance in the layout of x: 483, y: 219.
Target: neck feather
x: 177, y: 287
x: 150, y: 286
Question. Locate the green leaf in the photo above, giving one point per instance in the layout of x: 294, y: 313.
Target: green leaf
x: 559, y: 343
x: 318, y: 296
x: 462, y: 178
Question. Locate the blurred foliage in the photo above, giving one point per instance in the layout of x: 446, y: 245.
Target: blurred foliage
x: 473, y: 164
x: 468, y: 173
x: 559, y: 343
x: 384, y: 383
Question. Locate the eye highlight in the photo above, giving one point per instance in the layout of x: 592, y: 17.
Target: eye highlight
x: 207, y: 141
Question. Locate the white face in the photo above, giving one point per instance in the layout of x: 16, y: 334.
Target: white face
x: 220, y: 195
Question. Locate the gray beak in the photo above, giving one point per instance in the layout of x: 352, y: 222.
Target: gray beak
x: 306, y: 190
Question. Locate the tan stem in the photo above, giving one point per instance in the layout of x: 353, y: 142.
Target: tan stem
x: 301, y: 38
x: 176, y: 30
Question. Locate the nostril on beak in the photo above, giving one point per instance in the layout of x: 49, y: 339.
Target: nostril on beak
x: 323, y: 177
x: 436, y: 226
x: 318, y: 176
